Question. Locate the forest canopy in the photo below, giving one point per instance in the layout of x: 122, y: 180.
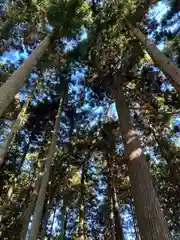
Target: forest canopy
x: 90, y: 120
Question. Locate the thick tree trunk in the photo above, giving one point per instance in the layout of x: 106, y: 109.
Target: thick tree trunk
x: 12, y: 86
x: 81, y: 207
x: 158, y: 57
x: 117, y: 221
x: 15, y: 128
x: 150, y: 217
x: 42, y: 192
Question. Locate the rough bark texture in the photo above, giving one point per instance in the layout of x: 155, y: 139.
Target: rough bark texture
x: 41, y: 196
x: 150, y: 217
x: 12, y: 86
x: 117, y: 221
x: 158, y: 57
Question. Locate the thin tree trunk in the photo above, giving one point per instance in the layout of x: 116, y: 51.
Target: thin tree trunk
x: 117, y: 221
x: 134, y: 220
x: 165, y: 150
x: 42, y: 192
x: 113, y: 231
x: 15, y: 128
x: 12, y: 86
x: 26, y: 217
x: 63, y: 221
x: 45, y: 218
x: 52, y: 223
x: 150, y: 217
x: 81, y: 208
x: 158, y: 57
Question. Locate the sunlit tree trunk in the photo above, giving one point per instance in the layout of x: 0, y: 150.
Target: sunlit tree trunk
x: 158, y: 57
x: 12, y: 86
x: 42, y: 192
x: 150, y: 217
x: 117, y: 221
x: 15, y: 128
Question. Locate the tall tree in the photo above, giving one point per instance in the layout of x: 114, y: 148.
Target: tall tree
x: 15, y: 128
x: 159, y: 58
x: 150, y: 217
x: 41, y: 196
x: 117, y: 220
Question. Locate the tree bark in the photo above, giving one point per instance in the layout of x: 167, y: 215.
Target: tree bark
x: 81, y: 207
x: 15, y: 128
x: 52, y: 223
x: 158, y: 57
x: 12, y: 86
x: 26, y: 216
x: 117, y: 221
x: 150, y: 217
x: 42, y: 192
x: 63, y: 221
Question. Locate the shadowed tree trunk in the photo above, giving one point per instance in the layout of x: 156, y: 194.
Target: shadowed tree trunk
x: 12, y: 86
x: 150, y: 217
x: 158, y: 57
x: 42, y: 192
x: 63, y: 221
x: 117, y: 221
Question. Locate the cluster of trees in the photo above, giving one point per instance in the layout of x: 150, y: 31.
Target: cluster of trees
x: 67, y: 171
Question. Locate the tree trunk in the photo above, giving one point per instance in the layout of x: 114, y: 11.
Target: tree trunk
x: 117, y: 221
x: 165, y: 150
x: 52, y: 223
x: 158, y: 57
x: 45, y: 218
x: 15, y: 128
x: 42, y: 192
x: 113, y: 230
x: 136, y: 230
x: 12, y: 86
x: 150, y: 217
x: 63, y: 221
x: 81, y: 208
x: 26, y: 216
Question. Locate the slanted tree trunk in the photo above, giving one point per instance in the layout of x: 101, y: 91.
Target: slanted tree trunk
x: 42, y: 192
x: 15, y: 128
x: 117, y: 221
x: 158, y: 57
x: 150, y: 217
x: 165, y: 150
x: 12, y: 86
x: 81, y: 207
